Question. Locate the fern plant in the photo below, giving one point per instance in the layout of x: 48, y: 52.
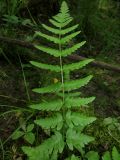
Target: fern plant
x: 66, y: 121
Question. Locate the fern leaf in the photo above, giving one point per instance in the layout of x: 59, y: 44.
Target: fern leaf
x: 61, y: 32
x: 60, y: 24
x: 77, y: 140
x: 38, y: 152
x: 77, y: 119
x: 106, y: 156
x: 49, y: 89
x: 63, y: 15
x: 56, y: 68
x: 62, y: 18
x: 51, y: 51
x: 115, y: 154
x: 64, y: 8
x: 71, y: 50
x: 50, y: 38
x: 45, y: 150
x: 78, y: 102
x: 52, y: 122
x: 48, y: 106
x: 92, y: 155
x: 69, y: 37
x: 52, y: 68
x: 75, y: 84
x: 68, y: 86
x: 78, y: 65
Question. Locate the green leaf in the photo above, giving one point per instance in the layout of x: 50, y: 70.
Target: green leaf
x: 48, y: 37
x: 77, y: 140
x: 78, y: 65
x: 77, y: 119
x: 72, y: 49
x: 45, y: 150
x: 17, y: 134
x: 58, y: 31
x: 30, y: 127
x: 106, y: 156
x: 64, y: 8
x: 58, y: 24
x: 38, y: 152
x: 69, y: 37
x: 29, y: 137
x: 68, y: 86
x: 63, y: 16
x: 52, y: 122
x: 115, y: 154
x: 49, y: 89
x: 55, y: 105
x: 54, y: 68
x: 72, y: 102
x: 92, y: 155
x: 75, y: 84
x: 51, y: 51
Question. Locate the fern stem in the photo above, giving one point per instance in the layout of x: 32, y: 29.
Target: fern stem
x: 63, y: 91
x: 61, y: 66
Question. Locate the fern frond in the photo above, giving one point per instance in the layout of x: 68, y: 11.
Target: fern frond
x: 61, y: 32
x: 92, y: 155
x: 106, y: 156
x: 48, y: 106
x: 71, y: 50
x: 77, y: 119
x: 72, y: 102
x: 52, y: 122
x: 49, y: 89
x: 75, y: 84
x: 77, y: 140
x: 38, y: 152
x: 68, y: 86
x: 51, y: 51
x: 64, y: 8
x: 78, y: 65
x: 115, y: 154
x: 69, y: 37
x: 52, y: 68
x: 45, y: 150
x: 48, y: 37
x: 62, y: 18
x: 60, y: 24
x: 63, y: 15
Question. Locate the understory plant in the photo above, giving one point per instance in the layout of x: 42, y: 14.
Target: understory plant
x: 113, y: 155
x: 66, y: 118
